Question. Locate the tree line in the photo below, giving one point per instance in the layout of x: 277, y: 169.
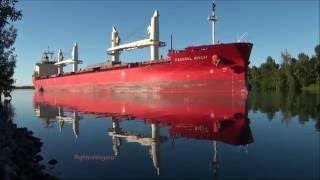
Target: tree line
x: 8, y: 34
x: 293, y: 74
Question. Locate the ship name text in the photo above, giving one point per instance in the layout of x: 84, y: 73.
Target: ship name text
x: 190, y: 59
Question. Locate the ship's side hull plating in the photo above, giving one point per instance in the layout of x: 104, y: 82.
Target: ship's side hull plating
x: 201, y: 69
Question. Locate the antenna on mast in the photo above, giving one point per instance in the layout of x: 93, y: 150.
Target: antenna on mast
x: 171, y: 42
x: 45, y: 56
x: 213, y: 19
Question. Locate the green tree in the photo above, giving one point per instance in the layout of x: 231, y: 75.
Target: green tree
x: 293, y: 74
x: 317, y: 51
x: 254, y: 78
x: 269, y: 71
x: 8, y: 34
x: 316, y: 62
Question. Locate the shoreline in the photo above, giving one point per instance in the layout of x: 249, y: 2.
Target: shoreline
x: 23, y: 87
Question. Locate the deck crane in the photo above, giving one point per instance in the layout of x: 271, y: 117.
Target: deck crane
x: 153, y: 41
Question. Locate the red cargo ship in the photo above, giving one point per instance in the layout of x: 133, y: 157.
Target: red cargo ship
x: 215, y: 68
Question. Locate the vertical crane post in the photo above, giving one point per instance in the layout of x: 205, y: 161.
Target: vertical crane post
x: 213, y: 19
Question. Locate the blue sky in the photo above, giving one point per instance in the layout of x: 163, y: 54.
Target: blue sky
x: 272, y: 26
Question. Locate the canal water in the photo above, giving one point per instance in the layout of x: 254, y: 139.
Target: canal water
x: 152, y: 136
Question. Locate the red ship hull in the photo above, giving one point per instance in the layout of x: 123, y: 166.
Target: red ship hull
x: 218, y: 68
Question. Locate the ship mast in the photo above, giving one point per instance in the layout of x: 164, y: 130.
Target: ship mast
x: 213, y: 19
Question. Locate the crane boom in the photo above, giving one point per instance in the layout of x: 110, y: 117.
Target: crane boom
x: 136, y: 44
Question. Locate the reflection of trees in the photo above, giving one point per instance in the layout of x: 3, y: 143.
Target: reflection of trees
x: 304, y: 105
x: 6, y: 113
x: 19, y: 158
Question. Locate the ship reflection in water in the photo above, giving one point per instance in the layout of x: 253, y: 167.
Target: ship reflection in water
x: 222, y: 118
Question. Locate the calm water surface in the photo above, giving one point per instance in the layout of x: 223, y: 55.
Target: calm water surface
x: 149, y: 136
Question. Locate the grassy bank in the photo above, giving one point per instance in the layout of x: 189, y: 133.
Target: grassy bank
x: 315, y: 88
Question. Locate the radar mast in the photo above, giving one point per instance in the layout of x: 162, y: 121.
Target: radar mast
x: 213, y: 19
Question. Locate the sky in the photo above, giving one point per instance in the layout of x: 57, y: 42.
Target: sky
x: 272, y: 26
